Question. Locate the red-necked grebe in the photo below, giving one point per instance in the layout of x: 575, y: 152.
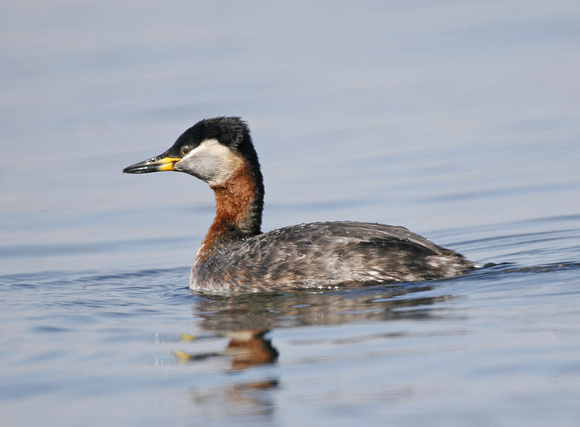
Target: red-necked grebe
x: 236, y: 256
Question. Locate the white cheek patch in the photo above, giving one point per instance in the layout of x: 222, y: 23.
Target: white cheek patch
x: 210, y: 161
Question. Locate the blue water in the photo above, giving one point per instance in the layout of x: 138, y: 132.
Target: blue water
x: 459, y: 121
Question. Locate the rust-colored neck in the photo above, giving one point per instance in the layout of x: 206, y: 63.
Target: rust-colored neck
x: 239, y: 203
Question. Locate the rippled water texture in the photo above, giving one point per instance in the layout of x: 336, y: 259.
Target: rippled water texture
x: 457, y: 120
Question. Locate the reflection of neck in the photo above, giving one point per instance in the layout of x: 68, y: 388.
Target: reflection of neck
x: 239, y: 203
x: 250, y: 352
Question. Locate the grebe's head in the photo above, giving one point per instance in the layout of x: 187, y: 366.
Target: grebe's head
x: 211, y: 150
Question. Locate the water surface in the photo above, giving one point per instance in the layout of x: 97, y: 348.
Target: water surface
x: 459, y: 121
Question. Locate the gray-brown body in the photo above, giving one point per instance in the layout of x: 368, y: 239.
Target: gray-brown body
x: 325, y: 255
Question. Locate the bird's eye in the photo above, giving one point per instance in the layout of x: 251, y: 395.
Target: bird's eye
x: 185, y: 149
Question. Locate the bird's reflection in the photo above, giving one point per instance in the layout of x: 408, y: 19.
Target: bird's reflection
x: 266, y: 311
x: 246, y: 320
x: 246, y: 348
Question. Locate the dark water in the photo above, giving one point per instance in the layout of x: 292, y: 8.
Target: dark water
x: 459, y: 121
